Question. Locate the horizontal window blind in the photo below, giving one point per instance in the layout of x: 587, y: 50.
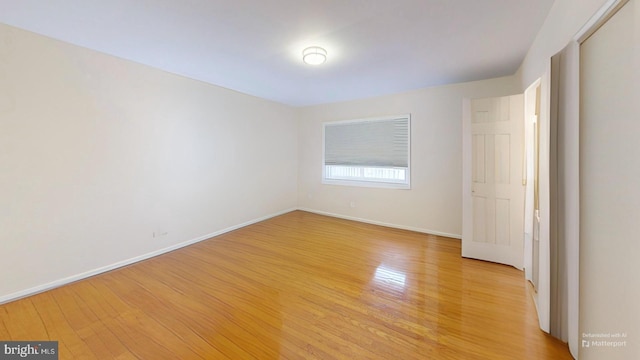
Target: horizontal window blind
x: 368, y: 151
x: 368, y: 143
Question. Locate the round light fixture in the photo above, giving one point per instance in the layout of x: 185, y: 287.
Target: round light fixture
x: 314, y: 55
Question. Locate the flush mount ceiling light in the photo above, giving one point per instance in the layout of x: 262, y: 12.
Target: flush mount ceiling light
x: 314, y: 55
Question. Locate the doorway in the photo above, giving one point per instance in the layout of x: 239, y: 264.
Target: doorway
x: 531, y: 180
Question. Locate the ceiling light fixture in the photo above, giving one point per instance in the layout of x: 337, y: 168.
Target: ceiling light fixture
x: 314, y: 55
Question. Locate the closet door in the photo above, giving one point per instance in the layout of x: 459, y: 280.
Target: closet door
x: 610, y: 188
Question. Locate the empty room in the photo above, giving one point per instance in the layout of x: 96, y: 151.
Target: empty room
x: 414, y: 179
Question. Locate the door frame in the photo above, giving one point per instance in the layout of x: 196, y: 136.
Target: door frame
x: 531, y: 97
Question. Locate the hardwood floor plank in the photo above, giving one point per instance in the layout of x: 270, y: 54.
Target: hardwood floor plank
x: 298, y: 286
x: 55, y: 320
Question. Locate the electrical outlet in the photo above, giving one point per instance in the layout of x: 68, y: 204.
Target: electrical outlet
x: 352, y: 204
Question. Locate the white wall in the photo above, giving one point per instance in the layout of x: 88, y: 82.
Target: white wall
x: 98, y: 153
x: 565, y: 19
x: 434, y: 203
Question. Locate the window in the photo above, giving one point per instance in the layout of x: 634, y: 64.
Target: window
x: 371, y: 152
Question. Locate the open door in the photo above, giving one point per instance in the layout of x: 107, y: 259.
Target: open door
x: 493, y: 190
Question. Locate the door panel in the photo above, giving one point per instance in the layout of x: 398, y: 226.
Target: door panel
x: 478, y: 159
x: 479, y: 221
x: 503, y: 225
x: 502, y: 159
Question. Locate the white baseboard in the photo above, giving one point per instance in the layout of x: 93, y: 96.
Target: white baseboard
x: 57, y: 283
x: 373, y: 222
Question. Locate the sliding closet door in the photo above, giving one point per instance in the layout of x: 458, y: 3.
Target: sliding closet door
x: 610, y: 189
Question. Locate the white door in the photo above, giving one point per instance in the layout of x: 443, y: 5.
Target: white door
x: 493, y: 191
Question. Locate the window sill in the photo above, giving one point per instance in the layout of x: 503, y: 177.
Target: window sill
x: 370, y: 184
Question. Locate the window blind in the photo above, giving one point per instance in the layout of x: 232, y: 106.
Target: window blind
x: 378, y: 143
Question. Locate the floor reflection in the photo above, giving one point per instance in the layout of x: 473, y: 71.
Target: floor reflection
x: 390, y: 279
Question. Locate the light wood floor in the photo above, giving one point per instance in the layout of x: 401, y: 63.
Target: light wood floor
x: 299, y: 286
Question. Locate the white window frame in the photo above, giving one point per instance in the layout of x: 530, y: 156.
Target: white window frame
x: 368, y: 181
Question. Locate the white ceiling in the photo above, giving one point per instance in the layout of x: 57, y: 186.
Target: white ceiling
x: 375, y: 47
